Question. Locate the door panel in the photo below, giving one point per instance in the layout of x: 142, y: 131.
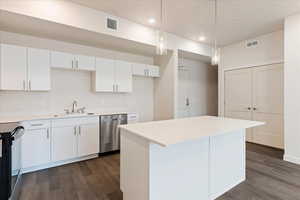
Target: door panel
x: 62, y: 60
x: 35, y: 147
x: 268, y: 89
x: 88, y: 140
x: 123, y: 76
x: 238, y: 94
x: 105, y: 75
x: 13, y: 67
x: 39, y: 69
x: 85, y: 62
x: 64, y: 143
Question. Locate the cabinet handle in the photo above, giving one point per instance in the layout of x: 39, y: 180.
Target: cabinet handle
x: 24, y: 85
x: 254, y: 108
x: 72, y: 64
x: 48, y: 135
x: 29, y: 84
x: 79, y: 130
x: 145, y: 72
x: 117, y: 87
x: 75, y: 131
x: 77, y: 64
x: 113, y: 87
x: 249, y: 108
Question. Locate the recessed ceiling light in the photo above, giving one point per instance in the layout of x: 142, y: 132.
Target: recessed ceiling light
x: 202, y: 38
x: 151, y: 21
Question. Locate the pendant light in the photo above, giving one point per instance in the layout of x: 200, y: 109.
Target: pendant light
x: 215, y: 57
x: 161, y: 48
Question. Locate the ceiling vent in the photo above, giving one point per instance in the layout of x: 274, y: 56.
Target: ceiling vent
x: 250, y: 44
x: 111, y: 23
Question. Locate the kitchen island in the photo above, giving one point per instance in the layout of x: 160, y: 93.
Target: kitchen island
x: 197, y: 158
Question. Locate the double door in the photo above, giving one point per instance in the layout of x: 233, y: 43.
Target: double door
x: 25, y: 69
x: 112, y: 76
x: 257, y: 94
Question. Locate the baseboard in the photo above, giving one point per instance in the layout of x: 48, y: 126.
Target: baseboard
x: 56, y: 164
x: 292, y: 159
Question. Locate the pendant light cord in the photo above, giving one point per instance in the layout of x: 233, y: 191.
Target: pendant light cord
x: 161, y: 14
x: 216, y: 16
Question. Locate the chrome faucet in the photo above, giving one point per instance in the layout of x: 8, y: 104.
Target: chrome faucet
x: 74, y: 105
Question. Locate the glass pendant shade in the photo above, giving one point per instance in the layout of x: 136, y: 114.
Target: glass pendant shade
x: 215, y: 57
x: 161, y: 48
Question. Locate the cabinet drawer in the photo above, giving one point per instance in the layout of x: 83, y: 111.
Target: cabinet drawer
x: 36, y: 124
x: 75, y: 121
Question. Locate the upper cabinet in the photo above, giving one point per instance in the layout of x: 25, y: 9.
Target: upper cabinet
x: 25, y: 69
x: 38, y: 70
x: 69, y: 61
x: 13, y: 67
x: 139, y: 69
x: 112, y: 76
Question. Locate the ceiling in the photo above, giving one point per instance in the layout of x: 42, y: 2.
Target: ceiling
x: 238, y: 19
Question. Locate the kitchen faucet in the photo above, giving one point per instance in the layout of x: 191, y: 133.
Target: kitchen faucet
x: 74, y: 104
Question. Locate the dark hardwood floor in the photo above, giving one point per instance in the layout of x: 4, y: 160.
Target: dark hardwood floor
x: 268, y: 178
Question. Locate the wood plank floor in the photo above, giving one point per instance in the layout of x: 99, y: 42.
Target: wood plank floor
x: 268, y: 178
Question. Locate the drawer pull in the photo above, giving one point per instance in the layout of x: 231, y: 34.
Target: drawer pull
x: 37, y: 124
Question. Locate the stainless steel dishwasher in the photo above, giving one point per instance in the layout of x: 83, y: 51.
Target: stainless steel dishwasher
x: 110, y: 133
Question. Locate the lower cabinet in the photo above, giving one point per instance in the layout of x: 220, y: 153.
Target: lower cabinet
x: 64, y: 141
x: 36, y: 145
x: 88, y: 139
x: 48, y: 141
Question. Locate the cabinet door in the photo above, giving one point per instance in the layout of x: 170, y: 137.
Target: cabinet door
x: 38, y: 70
x: 13, y: 67
x: 153, y: 71
x: 85, y: 62
x: 88, y: 139
x: 104, y: 75
x: 123, y: 76
x: 139, y: 69
x: 268, y: 105
x: 238, y: 96
x: 62, y: 60
x: 35, y: 147
x: 64, y: 143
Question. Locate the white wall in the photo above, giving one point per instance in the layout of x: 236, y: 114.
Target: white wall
x: 292, y: 89
x: 270, y: 50
x: 199, y: 81
x: 76, y: 85
x: 75, y: 15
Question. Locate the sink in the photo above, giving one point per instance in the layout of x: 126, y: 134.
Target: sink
x: 73, y: 115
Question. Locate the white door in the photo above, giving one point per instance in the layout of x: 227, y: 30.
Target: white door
x: 38, y: 70
x: 85, y: 62
x: 88, y: 139
x: 153, y: 70
x: 123, y: 76
x: 238, y: 96
x: 62, y: 60
x: 139, y: 69
x: 64, y: 143
x: 183, y: 106
x: 13, y: 67
x: 104, y: 75
x: 35, y: 147
x: 268, y: 105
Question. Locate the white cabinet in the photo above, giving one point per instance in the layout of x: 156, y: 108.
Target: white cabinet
x: 85, y: 62
x: 88, y: 139
x: 64, y: 141
x: 112, y: 76
x: 123, y: 76
x: 26, y: 69
x: 70, y: 61
x: 74, y: 137
x: 13, y: 67
x: 38, y: 70
x: 62, y: 60
x: 36, y: 144
x: 139, y: 69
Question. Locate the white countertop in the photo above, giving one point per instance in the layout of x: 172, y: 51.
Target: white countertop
x: 174, y: 131
x: 16, y: 119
